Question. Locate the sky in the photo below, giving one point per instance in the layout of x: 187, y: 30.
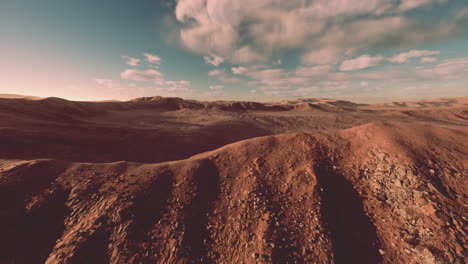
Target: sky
x: 262, y: 50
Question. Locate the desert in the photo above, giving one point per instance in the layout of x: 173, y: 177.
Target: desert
x: 168, y: 180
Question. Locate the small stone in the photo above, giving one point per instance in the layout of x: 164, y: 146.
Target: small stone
x: 381, y: 252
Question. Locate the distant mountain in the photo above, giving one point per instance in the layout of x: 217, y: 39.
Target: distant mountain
x: 19, y: 96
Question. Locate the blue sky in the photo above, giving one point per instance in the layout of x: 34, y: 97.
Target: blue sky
x: 242, y: 50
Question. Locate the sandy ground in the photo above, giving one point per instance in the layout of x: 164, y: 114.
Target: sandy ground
x: 166, y: 180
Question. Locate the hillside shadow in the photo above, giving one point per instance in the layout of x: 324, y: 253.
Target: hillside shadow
x: 353, y: 234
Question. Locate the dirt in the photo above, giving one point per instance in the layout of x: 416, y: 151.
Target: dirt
x: 167, y: 180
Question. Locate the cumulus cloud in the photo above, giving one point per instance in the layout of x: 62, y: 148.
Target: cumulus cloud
x: 406, y: 56
x: 332, y: 38
x: 177, y: 83
x: 223, y: 76
x: 213, y: 60
x: 313, y: 71
x: 267, y: 74
x: 448, y: 69
x: 428, y: 59
x: 246, y: 31
x: 171, y: 91
x: 239, y: 70
x: 106, y: 83
x: 328, y: 55
x: 362, y: 62
x: 152, y: 58
x: 216, y: 72
x: 139, y: 75
x: 407, y: 5
x: 131, y: 61
x: 215, y: 91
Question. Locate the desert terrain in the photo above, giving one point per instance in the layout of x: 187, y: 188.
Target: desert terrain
x: 168, y: 180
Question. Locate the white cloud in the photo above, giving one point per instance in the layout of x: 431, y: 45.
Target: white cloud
x: 216, y: 87
x: 213, y: 60
x: 428, y: 59
x: 106, y: 83
x: 215, y: 90
x: 364, y: 84
x: 152, y: 58
x: 267, y: 75
x: 247, y: 54
x: 138, y: 75
x: 406, y: 5
x: 216, y: 72
x: 329, y: 55
x: 223, y: 76
x: 171, y: 91
x: 313, y: 71
x: 246, y: 31
x: 371, y: 75
x: 362, y: 62
x: 177, y: 83
x: 239, y: 70
x: 131, y: 61
x: 449, y: 69
x: 253, y: 92
x: 335, y: 85
x: 406, y: 56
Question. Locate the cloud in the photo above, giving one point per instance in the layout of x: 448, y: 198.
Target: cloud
x: 325, y: 31
x: 406, y: 56
x: 221, y: 75
x: 216, y: 72
x: 131, y: 61
x: 371, y: 75
x: 171, y: 91
x: 216, y: 87
x: 215, y: 90
x: 313, y: 71
x: 138, y: 75
x: 213, y: 60
x: 267, y: 74
x: 428, y: 59
x: 177, y: 83
x: 448, y: 69
x: 106, y: 83
x: 239, y: 70
x: 152, y: 58
x: 407, y: 5
x: 362, y: 62
x: 328, y: 55
x: 364, y: 84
